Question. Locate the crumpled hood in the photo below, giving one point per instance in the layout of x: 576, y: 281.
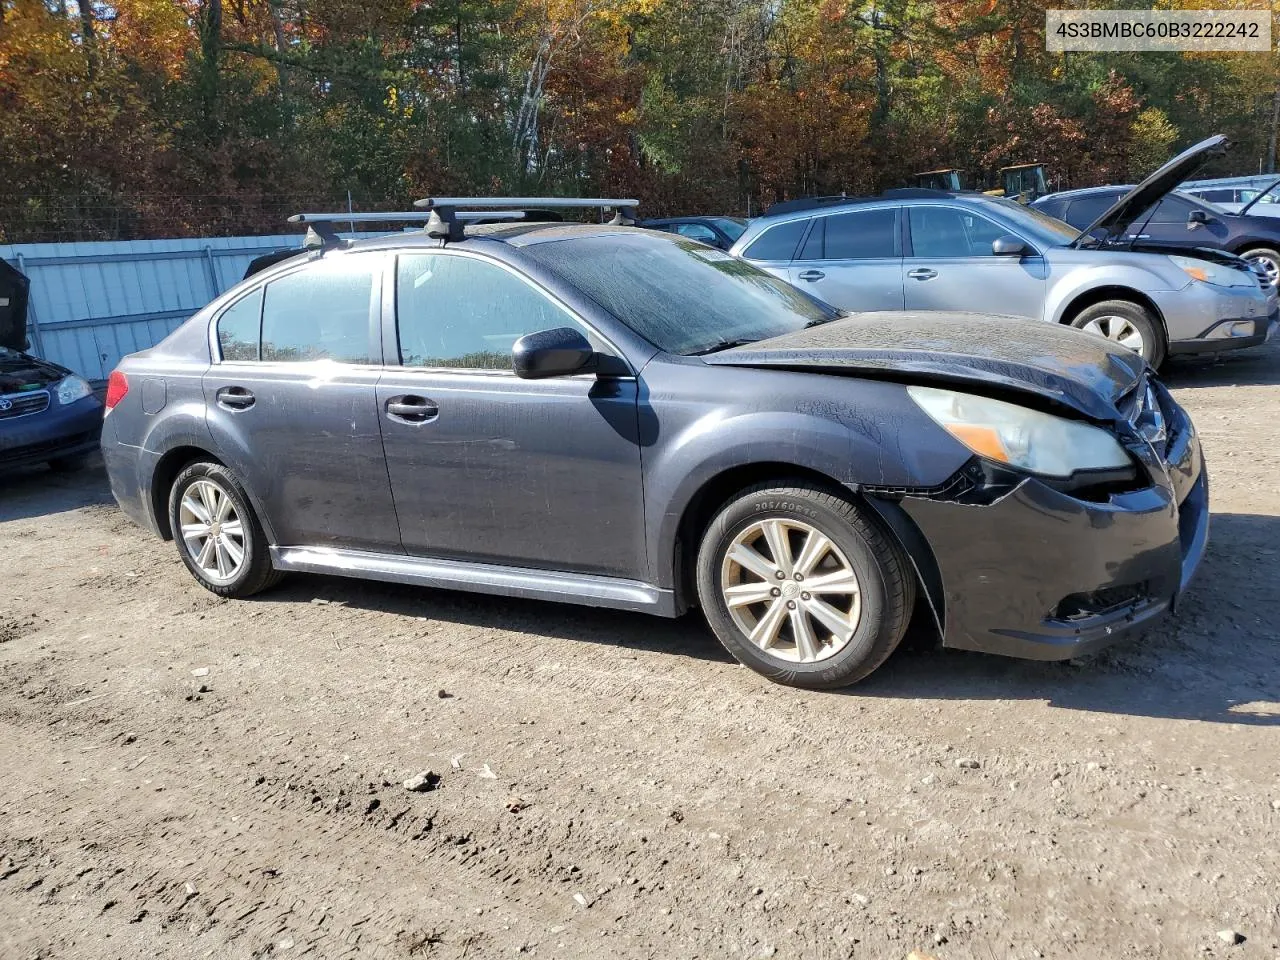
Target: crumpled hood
x: 1081, y: 370
x: 18, y: 370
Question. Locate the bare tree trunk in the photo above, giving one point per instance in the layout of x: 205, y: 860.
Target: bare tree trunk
x: 210, y: 28
x: 88, y: 37
x: 277, y: 25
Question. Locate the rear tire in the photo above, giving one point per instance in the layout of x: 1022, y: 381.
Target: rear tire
x: 217, y: 533
x: 1127, y: 324
x: 838, y: 609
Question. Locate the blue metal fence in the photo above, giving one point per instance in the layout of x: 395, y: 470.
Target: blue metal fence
x: 92, y: 303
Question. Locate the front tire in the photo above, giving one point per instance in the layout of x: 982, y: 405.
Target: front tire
x: 1267, y: 259
x: 1127, y: 324
x: 217, y: 534
x: 802, y: 586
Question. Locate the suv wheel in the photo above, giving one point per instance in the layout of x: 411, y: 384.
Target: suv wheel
x: 1267, y: 259
x: 800, y: 586
x: 218, y: 536
x: 1127, y: 323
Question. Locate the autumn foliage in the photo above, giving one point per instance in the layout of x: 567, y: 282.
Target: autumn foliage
x: 169, y: 117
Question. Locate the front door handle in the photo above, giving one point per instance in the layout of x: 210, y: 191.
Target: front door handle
x: 922, y: 273
x: 409, y: 408
x: 812, y: 275
x: 235, y: 398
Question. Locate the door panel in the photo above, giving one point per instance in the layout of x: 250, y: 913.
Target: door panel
x: 300, y: 425
x: 852, y: 260
x: 309, y: 447
x: 949, y: 270
x: 1169, y: 224
x: 537, y: 473
x: 491, y: 468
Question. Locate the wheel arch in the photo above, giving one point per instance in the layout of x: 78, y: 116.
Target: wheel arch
x: 1087, y: 298
x: 163, y: 475
x: 719, y: 489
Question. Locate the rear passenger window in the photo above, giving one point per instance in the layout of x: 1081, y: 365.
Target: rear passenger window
x: 238, y: 328
x: 320, y: 312
x: 1082, y: 212
x: 777, y: 243
x: 862, y: 235
x: 465, y: 313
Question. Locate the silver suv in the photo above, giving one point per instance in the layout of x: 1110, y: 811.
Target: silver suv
x: 930, y: 250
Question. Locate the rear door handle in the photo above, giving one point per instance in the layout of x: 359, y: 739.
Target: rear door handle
x: 409, y: 408
x: 812, y: 275
x: 922, y: 273
x: 235, y: 398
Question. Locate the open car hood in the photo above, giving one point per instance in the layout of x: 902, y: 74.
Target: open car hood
x: 1149, y: 192
x: 13, y: 307
x: 1082, y: 371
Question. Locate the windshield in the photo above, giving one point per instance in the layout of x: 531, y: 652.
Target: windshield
x: 732, y: 226
x: 681, y: 296
x: 1042, y: 227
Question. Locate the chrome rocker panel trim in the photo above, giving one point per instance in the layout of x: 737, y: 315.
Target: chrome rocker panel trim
x: 586, y: 589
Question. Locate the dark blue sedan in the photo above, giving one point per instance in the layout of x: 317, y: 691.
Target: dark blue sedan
x: 47, y: 413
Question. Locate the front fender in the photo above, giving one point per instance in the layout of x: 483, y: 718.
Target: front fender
x: 858, y: 433
x: 1084, y: 279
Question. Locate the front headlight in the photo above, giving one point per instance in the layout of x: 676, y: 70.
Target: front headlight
x: 1214, y: 273
x: 1027, y: 439
x: 73, y: 388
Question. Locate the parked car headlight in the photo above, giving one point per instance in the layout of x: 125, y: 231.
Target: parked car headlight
x: 73, y: 388
x: 1214, y: 273
x: 1028, y: 439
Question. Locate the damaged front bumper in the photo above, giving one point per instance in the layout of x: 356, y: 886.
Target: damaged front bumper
x: 1046, y: 575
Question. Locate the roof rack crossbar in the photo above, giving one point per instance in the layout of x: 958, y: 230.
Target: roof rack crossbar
x: 342, y: 216
x: 445, y: 222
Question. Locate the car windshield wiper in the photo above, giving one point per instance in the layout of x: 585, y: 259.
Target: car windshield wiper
x: 821, y: 320
x: 723, y: 345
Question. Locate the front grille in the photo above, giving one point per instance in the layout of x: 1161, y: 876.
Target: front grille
x: 23, y: 404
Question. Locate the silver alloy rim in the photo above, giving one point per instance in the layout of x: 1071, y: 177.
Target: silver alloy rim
x: 1269, y: 267
x: 1118, y: 330
x: 212, y: 531
x: 790, y: 590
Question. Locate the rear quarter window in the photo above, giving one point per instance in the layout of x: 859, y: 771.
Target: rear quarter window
x: 239, y: 328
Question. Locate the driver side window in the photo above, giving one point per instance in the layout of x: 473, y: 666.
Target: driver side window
x: 459, y: 312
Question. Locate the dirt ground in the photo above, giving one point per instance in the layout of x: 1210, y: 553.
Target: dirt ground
x: 182, y: 776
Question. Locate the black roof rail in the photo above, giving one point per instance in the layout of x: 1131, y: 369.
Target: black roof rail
x: 922, y: 193
x: 809, y: 203
x: 445, y: 220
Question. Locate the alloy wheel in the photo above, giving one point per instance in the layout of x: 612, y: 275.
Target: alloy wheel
x: 1269, y: 268
x: 212, y: 531
x: 790, y: 590
x: 1118, y: 330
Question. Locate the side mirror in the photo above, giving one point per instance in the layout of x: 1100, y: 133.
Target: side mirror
x: 1196, y: 217
x: 552, y: 353
x: 1009, y: 246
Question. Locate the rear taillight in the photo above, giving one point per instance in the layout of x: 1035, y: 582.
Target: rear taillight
x: 117, y: 387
